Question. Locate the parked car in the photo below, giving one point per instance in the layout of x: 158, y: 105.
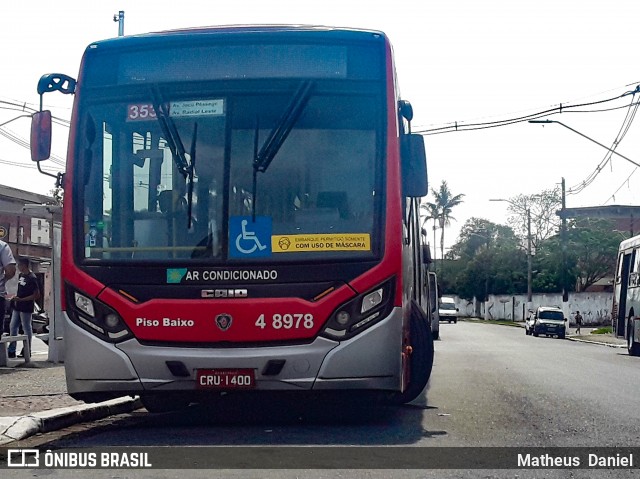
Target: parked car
x: 547, y: 320
x: 447, y: 310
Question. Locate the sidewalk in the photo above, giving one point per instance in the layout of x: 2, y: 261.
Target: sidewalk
x: 34, y: 399
x: 603, y: 339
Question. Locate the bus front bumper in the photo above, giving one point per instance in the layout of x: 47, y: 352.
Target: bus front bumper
x: 370, y: 360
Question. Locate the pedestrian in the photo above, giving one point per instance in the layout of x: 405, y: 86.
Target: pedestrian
x: 23, y: 301
x: 7, y: 271
x: 578, y: 318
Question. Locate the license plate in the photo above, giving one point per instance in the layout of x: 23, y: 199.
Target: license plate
x: 225, y: 379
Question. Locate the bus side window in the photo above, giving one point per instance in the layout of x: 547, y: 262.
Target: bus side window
x: 633, y: 268
x: 619, y: 268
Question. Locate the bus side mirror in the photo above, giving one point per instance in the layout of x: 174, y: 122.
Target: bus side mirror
x: 41, y: 135
x: 414, y: 166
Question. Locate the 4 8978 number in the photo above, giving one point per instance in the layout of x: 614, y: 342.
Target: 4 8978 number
x: 286, y: 321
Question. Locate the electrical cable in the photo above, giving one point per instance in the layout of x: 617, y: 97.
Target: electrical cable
x: 626, y: 124
x: 25, y: 144
x: 460, y: 126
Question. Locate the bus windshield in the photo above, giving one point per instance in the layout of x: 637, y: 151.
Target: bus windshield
x: 314, y: 197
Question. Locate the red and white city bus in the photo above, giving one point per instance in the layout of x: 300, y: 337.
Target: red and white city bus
x: 240, y: 213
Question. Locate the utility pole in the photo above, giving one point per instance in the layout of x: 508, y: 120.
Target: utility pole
x: 563, y: 245
x: 435, y: 249
x: 119, y: 17
x: 529, y: 293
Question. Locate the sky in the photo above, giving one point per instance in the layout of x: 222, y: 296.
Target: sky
x: 464, y: 62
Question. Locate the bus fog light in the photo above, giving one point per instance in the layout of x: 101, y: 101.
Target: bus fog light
x: 371, y: 300
x: 112, y: 321
x: 84, y: 304
x: 343, y: 318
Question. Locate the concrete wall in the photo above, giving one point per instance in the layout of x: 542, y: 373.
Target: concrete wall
x: 594, y: 307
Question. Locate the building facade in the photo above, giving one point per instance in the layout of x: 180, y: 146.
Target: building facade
x: 27, y: 230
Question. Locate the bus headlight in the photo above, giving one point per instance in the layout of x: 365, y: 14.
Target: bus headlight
x: 112, y: 320
x: 361, y: 312
x: 372, y: 300
x: 96, y: 317
x: 343, y: 318
x: 84, y: 304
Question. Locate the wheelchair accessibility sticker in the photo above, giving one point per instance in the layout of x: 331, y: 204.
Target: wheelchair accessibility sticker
x: 249, y: 238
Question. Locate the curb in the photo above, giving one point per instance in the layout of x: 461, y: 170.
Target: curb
x: 22, y: 427
x: 596, y: 342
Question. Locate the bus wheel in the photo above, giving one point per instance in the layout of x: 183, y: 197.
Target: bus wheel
x: 632, y: 347
x: 421, y: 360
x: 158, y: 403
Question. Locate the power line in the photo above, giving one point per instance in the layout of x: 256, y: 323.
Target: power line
x: 22, y: 106
x: 624, y: 128
x: 25, y: 165
x: 25, y: 144
x: 461, y: 126
x: 613, y: 196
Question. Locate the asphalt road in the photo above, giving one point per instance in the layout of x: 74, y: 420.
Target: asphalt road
x: 491, y: 386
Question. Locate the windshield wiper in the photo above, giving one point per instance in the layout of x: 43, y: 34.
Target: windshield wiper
x: 278, y: 135
x: 170, y: 132
x: 192, y: 167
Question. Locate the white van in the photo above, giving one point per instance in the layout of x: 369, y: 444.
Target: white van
x: 447, y: 310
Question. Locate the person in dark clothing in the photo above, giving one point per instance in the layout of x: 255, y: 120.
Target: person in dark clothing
x: 23, y: 301
x: 578, y: 319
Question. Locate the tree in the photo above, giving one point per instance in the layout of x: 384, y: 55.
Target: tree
x: 58, y: 195
x: 441, y: 207
x: 592, y: 246
x: 430, y: 212
x: 479, y: 232
x: 544, y: 220
x: 490, y: 259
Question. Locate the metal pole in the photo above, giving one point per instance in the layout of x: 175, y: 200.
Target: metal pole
x: 435, y: 249
x: 563, y: 245
x: 585, y: 136
x: 119, y: 17
x: 529, y: 293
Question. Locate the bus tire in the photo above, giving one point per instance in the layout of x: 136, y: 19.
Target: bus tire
x: 421, y: 359
x: 435, y: 334
x: 159, y: 403
x: 633, y: 348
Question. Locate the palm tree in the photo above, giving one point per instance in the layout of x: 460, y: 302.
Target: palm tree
x: 440, y: 209
x: 430, y: 212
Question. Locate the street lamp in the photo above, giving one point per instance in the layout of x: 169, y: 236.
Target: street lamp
x: 528, y: 212
x: 585, y: 136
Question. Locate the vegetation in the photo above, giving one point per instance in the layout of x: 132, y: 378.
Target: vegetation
x: 490, y: 258
x: 605, y: 330
x: 440, y: 209
x: 58, y: 195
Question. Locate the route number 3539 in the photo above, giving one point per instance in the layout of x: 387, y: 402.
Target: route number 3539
x: 286, y: 321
